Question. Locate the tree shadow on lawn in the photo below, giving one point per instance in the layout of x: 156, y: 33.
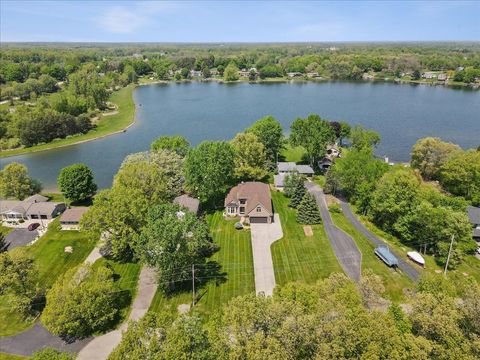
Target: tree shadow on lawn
x: 205, y: 275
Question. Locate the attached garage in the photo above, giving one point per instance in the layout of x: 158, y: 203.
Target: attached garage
x: 258, y: 219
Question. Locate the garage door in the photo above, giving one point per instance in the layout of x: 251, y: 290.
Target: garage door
x: 259, y: 220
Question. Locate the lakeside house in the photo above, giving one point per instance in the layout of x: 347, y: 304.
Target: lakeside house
x: 251, y: 201
x: 195, y: 73
x: 286, y: 168
x: 294, y: 74
x: 474, y: 217
x: 70, y: 219
x: 442, y: 77
x: 332, y: 152
x: 32, y: 208
x: 429, y: 75
x: 188, y: 202
x: 313, y: 74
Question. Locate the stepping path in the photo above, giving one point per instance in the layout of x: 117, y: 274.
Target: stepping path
x: 407, y: 268
x: 344, y: 247
x: 100, y: 347
x: 263, y: 236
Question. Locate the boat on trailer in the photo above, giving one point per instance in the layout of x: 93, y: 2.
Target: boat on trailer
x: 383, y: 252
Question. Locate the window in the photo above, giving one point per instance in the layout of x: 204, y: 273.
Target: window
x: 259, y: 209
x: 243, y: 201
x: 242, y: 210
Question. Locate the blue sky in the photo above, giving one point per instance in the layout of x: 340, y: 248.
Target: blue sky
x: 269, y: 21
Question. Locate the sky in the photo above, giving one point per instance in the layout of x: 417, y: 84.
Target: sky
x: 238, y: 21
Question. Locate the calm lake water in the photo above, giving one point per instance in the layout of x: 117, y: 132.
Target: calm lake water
x: 200, y: 111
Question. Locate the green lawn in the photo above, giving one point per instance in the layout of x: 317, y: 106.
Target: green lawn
x: 294, y: 154
x: 126, y: 276
x: 235, y: 258
x: 394, y: 281
x: 107, y: 125
x: 52, y: 261
x: 5, y: 230
x: 296, y: 256
x: 4, y: 356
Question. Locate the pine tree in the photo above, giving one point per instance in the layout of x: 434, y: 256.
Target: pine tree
x: 298, y: 194
x: 308, y: 212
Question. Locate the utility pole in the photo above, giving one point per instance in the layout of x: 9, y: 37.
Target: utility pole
x: 448, y: 257
x: 193, y: 285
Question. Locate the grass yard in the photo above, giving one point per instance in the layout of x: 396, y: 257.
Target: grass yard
x: 5, y: 230
x: 107, y: 124
x: 126, y: 276
x: 294, y: 154
x: 296, y: 256
x: 52, y: 261
x: 4, y: 356
x: 235, y: 258
x: 394, y: 281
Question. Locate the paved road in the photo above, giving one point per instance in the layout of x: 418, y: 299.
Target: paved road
x: 263, y: 236
x: 344, y: 247
x: 100, y: 347
x: 36, y: 338
x: 407, y: 268
x: 20, y: 237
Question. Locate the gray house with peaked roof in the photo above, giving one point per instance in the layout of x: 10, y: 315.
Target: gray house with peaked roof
x: 474, y: 217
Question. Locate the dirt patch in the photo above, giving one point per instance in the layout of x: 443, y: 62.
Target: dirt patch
x: 183, y: 308
x: 308, y: 230
x: 331, y: 199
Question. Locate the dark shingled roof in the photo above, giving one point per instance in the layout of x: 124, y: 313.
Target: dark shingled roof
x: 190, y: 203
x: 73, y: 214
x: 255, y: 192
x: 473, y: 214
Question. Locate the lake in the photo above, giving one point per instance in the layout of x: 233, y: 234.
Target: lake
x: 208, y: 110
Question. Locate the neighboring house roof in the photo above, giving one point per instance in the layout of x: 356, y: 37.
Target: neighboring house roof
x: 286, y: 166
x: 279, y: 180
x: 476, y: 232
x: 325, y: 160
x: 73, y: 214
x: 254, y: 192
x: 13, y: 206
x: 473, y: 215
x: 305, y: 169
x: 189, y: 202
x: 36, y: 198
x: 43, y: 208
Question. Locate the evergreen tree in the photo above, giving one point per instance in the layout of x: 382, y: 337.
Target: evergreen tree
x: 308, y: 211
x: 298, y: 194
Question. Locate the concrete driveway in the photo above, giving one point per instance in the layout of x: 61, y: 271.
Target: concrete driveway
x: 344, y: 247
x: 263, y: 236
x: 20, y: 237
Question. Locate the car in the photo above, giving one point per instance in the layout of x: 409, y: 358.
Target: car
x: 33, y: 226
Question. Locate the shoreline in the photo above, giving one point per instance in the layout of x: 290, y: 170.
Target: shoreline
x: 44, y: 147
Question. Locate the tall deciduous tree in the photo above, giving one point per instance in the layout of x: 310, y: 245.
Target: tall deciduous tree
x: 429, y: 154
x: 250, y: 162
x: 270, y: 133
x: 460, y: 175
x: 19, y: 281
x: 314, y: 134
x: 395, y: 195
x: 76, y: 182
x: 177, y: 143
x: 15, y: 182
x: 231, y: 72
x: 171, y: 241
x: 82, y: 301
x: 364, y: 140
x: 210, y: 170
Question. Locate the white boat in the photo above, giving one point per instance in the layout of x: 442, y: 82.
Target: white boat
x: 416, y: 257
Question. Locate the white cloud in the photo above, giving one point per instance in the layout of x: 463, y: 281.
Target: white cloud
x: 127, y: 19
